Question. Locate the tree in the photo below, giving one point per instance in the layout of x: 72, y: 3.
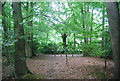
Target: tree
x: 85, y: 29
x: 29, y: 35
x: 114, y: 22
x: 103, y: 27
x: 20, y: 54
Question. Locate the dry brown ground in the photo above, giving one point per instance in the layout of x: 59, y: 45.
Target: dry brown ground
x: 55, y: 67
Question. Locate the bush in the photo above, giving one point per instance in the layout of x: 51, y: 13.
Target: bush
x: 35, y: 46
x: 48, y: 48
x: 108, y: 54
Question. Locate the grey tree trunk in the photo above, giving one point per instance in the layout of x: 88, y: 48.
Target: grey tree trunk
x: 103, y: 24
x: 27, y: 43
x: 64, y: 37
x: 91, y: 27
x: 20, y: 54
x: 114, y: 22
x: 85, y: 39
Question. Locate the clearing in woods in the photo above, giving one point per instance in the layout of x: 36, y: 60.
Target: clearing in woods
x: 77, y: 67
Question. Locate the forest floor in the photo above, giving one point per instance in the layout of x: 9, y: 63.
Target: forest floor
x: 77, y: 67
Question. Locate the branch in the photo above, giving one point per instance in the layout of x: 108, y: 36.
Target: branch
x: 3, y: 4
x: 53, y: 18
x: 28, y: 16
x: 24, y: 5
x: 44, y: 16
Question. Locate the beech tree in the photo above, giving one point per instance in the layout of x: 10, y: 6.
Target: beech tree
x: 20, y: 54
x: 114, y: 22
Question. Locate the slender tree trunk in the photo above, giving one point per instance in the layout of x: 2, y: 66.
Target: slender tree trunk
x: 91, y: 28
x: 74, y: 44
x: 20, y: 54
x: 114, y: 22
x: 103, y: 22
x: 27, y: 45
x: 30, y: 34
x: 75, y: 21
x: 85, y: 39
x: 64, y: 37
x: 87, y: 28
x: 31, y: 23
x: 28, y: 49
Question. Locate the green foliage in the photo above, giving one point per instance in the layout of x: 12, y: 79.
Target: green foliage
x: 108, y: 53
x: 79, y: 21
x: 9, y: 38
x: 107, y: 46
x: 99, y: 75
x: 73, y: 49
x: 48, y: 48
x: 34, y: 46
x: 65, y: 18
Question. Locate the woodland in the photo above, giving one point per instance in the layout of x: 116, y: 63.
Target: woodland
x: 60, y: 40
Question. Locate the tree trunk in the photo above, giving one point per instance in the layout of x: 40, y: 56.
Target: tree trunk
x: 27, y: 44
x: 31, y: 24
x: 114, y: 22
x: 103, y: 24
x: 64, y: 37
x: 91, y: 27
x: 74, y: 44
x: 20, y: 54
x: 85, y: 39
x: 86, y: 30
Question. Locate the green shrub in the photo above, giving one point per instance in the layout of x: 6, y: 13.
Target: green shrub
x: 48, y: 48
x: 99, y: 75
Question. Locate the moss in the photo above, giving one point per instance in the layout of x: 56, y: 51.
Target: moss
x: 32, y: 76
x: 99, y: 75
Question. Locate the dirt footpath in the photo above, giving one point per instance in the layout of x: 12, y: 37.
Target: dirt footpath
x: 77, y: 67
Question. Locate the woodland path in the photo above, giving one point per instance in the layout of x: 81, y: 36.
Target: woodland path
x: 78, y: 67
